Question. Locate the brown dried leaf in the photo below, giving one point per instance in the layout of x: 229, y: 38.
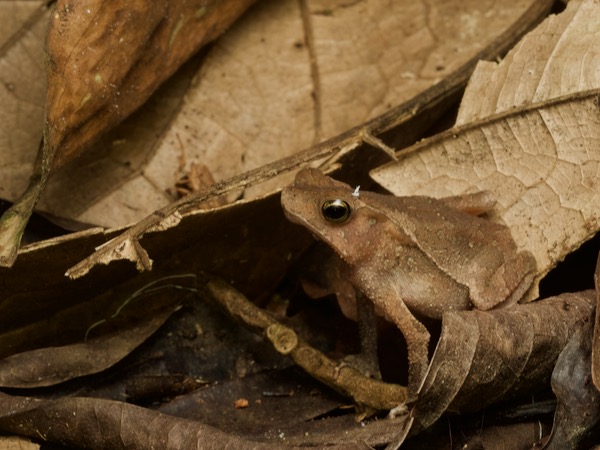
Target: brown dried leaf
x: 17, y: 443
x: 282, y: 403
x: 402, y: 122
x: 540, y: 160
x: 249, y: 243
x: 483, y: 356
x: 555, y: 60
x: 339, y: 65
x: 16, y: 17
x: 104, y: 59
x: 578, y: 409
x: 100, y: 189
x: 22, y: 90
x: 52, y: 365
x: 96, y: 423
x: 596, y: 336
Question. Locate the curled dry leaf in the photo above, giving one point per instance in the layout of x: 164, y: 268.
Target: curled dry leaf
x: 538, y: 154
x: 79, y: 422
x: 484, y: 356
x: 104, y: 59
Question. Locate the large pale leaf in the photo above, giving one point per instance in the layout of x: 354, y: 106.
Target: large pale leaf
x: 21, y: 92
x: 401, y: 124
x: 539, y: 157
x: 360, y: 67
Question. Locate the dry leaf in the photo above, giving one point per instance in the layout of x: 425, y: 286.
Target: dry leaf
x: 21, y: 92
x: 123, y: 181
x: 16, y: 17
x: 17, y: 443
x: 249, y: 243
x: 339, y: 65
x: 511, y: 436
x: 52, y: 365
x: 103, y: 61
x: 577, y: 413
x: 596, y: 336
x: 399, y: 123
x: 559, y: 58
x: 281, y: 403
x: 96, y: 423
x: 483, y: 356
x: 540, y: 160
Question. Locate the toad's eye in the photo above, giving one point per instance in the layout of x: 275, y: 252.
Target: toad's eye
x: 336, y: 211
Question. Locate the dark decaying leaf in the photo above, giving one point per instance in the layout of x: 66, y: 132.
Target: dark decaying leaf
x: 52, y: 365
x: 284, y: 406
x: 596, y: 335
x: 514, y: 436
x: 87, y: 423
x: 578, y: 409
x: 483, y: 356
x: 96, y: 423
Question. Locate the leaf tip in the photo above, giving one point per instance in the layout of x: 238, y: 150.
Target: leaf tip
x: 113, y: 250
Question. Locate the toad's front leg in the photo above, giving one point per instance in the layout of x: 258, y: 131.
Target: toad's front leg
x: 415, y: 334
x: 417, y: 342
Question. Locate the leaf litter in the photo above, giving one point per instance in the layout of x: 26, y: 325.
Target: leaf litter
x: 471, y: 378
x: 102, y: 62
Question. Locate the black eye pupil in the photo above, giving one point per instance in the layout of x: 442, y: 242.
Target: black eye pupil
x: 336, y: 210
